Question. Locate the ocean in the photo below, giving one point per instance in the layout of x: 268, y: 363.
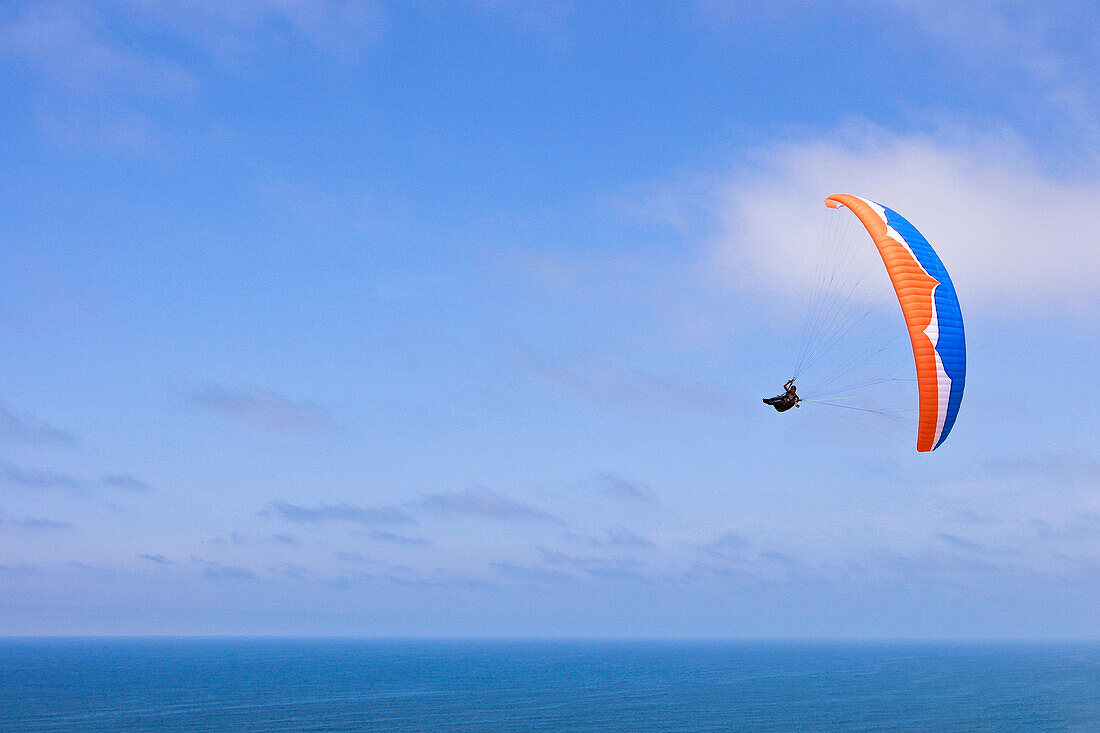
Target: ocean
x: 350, y: 685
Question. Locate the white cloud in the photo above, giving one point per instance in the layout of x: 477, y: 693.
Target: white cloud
x: 1010, y: 234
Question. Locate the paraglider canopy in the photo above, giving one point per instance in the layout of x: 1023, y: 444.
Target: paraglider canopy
x: 931, y: 310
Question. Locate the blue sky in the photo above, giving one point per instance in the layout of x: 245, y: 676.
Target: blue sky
x: 424, y: 318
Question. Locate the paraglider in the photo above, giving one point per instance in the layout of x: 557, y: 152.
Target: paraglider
x: 785, y: 401
x: 933, y: 318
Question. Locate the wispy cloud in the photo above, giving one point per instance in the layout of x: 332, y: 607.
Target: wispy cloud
x: 779, y: 557
x: 1082, y: 526
x: 341, y: 512
x: 236, y: 538
x: 218, y: 571
x: 959, y: 543
x: 398, y: 539
x: 33, y: 479
x: 99, y: 81
x: 233, y: 538
x: 610, y: 568
x: 614, y: 538
x: 90, y: 49
x: 626, y: 538
x: 1024, y: 41
x: 290, y: 570
x: 260, y: 408
x: 929, y: 566
x: 109, y: 89
x: 351, y: 556
x: 483, y: 503
x: 243, y: 29
x: 125, y: 482
x: 728, y: 545
x: 22, y: 428
x: 529, y: 573
x: 618, y: 487
x: 34, y: 523
x: 73, y: 45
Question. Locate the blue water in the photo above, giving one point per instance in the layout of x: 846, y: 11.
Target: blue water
x: 330, y: 685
